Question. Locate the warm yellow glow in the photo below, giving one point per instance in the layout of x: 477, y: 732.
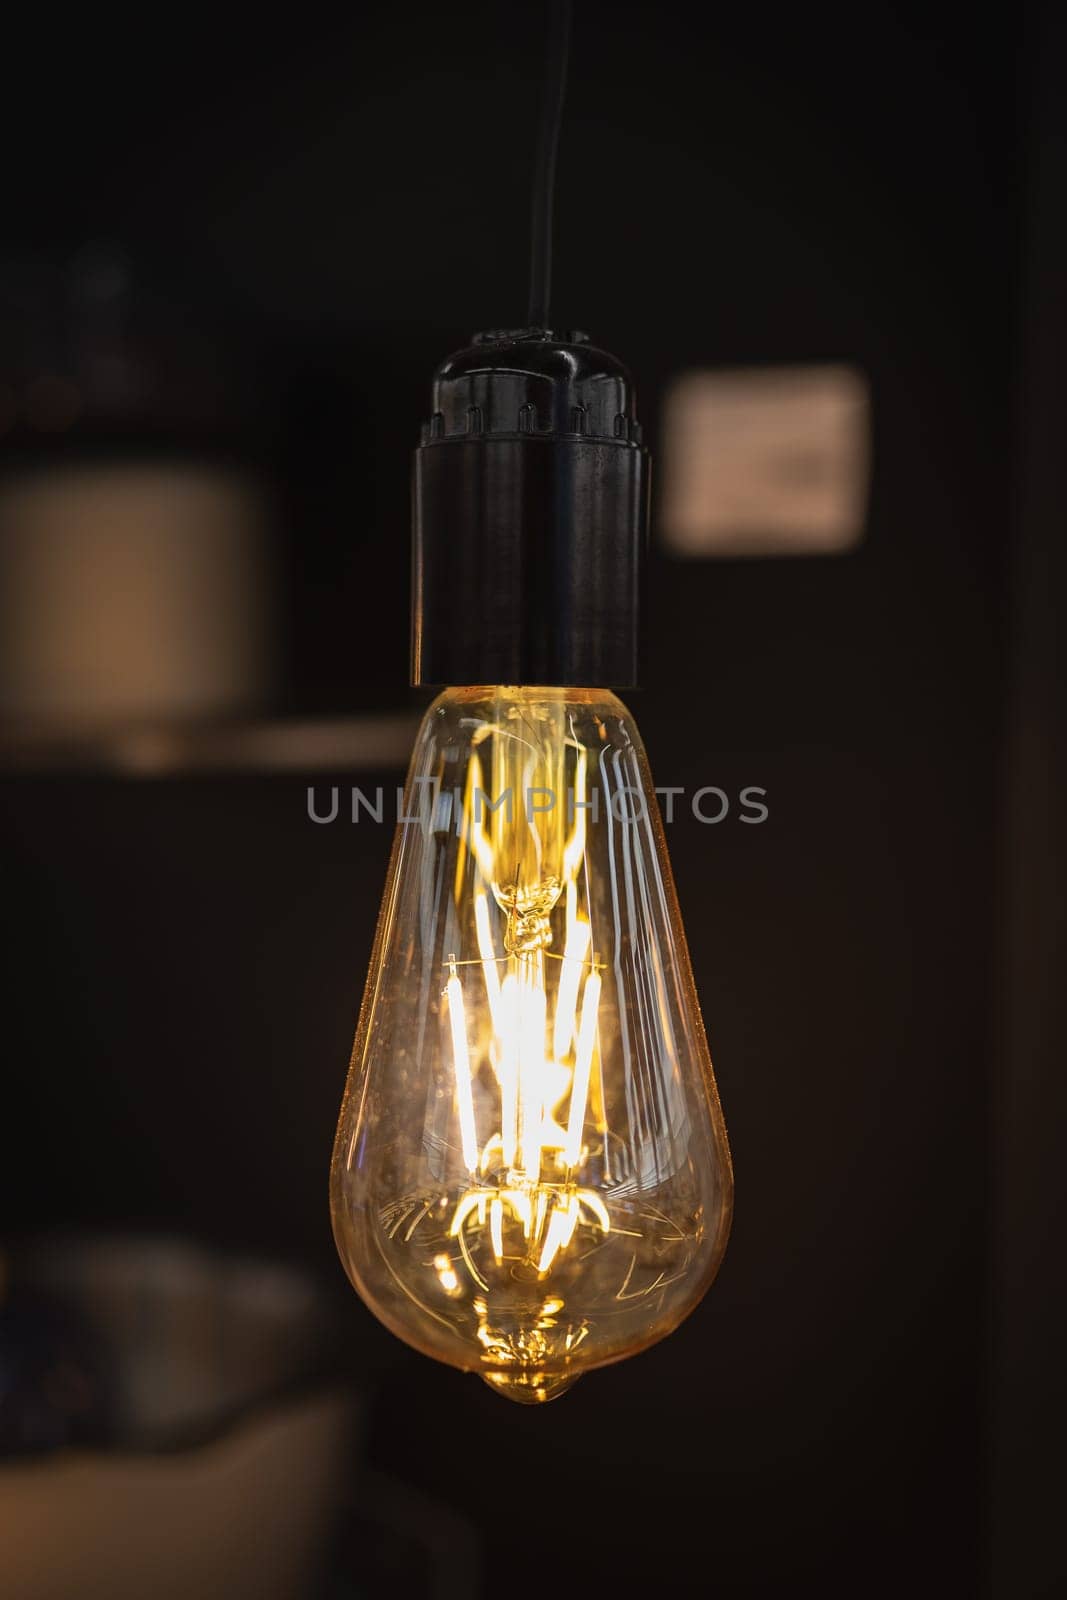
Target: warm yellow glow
x: 509, y: 835
x: 489, y: 959
x: 446, y: 1275
x: 574, y: 954
x: 583, y: 1062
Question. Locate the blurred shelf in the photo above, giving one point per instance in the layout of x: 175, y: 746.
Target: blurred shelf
x: 364, y: 743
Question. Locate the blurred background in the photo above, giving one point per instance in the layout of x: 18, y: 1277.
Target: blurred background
x: 829, y: 243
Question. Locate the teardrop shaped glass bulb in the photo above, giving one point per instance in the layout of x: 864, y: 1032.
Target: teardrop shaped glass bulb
x: 531, y: 1176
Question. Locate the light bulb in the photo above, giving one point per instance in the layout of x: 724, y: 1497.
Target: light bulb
x: 531, y: 1176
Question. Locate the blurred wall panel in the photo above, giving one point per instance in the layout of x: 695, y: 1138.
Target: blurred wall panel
x: 766, y: 462
x: 132, y: 592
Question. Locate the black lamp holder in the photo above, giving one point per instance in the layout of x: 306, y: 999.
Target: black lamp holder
x: 530, y: 517
x: 531, y: 487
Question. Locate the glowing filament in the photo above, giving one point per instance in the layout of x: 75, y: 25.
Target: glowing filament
x: 496, y: 1228
x: 531, y: 1074
x: 488, y: 954
x: 583, y: 1061
x: 508, y: 1056
x: 574, y: 954
x: 524, y: 1175
x: 557, y: 1229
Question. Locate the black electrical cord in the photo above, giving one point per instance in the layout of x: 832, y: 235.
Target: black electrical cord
x: 544, y: 187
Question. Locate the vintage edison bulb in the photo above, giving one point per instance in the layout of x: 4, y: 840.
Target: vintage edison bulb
x: 531, y: 1176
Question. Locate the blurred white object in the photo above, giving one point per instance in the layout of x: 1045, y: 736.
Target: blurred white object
x: 132, y: 592
x: 243, y: 1518
x: 770, y: 461
x: 229, y: 1462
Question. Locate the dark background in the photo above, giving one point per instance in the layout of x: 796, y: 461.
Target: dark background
x: 331, y: 206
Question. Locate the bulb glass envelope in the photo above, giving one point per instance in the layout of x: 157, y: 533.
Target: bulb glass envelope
x: 531, y: 1176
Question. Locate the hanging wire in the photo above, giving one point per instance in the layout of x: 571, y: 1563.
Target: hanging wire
x: 544, y: 187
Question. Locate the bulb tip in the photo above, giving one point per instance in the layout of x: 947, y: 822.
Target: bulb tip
x: 529, y: 1388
